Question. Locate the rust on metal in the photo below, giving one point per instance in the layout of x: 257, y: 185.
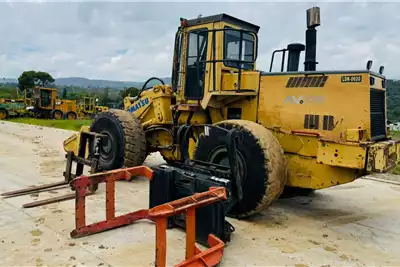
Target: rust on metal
x: 159, y: 215
x: 94, y: 140
x: 31, y: 189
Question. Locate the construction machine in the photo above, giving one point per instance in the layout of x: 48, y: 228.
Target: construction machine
x: 47, y: 105
x: 12, y: 108
x: 88, y: 107
x: 301, y: 129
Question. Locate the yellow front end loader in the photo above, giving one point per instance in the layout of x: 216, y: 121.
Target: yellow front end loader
x: 303, y: 130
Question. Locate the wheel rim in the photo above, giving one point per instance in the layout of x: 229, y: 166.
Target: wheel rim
x: 106, y: 150
x: 2, y: 114
x: 57, y: 115
x: 219, y: 155
x: 71, y: 116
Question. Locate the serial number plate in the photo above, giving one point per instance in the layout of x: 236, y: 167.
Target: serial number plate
x: 351, y: 79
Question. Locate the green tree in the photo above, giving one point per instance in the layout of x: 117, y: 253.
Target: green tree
x: 64, y: 93
x: 43, y: 78
x: 104, y: 99
x: 129, y: 91
x: 26, y: 80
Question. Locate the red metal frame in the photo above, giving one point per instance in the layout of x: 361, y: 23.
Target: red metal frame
x: 158, y: 214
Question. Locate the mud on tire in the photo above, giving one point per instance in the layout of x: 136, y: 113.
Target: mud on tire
x: 264, y: 167
x: 127, y: 146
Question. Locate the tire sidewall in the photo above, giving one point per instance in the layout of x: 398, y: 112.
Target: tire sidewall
x: 110, y: 126
x: 6, y: 112
x: 53, y: 113
x: 254, y: 182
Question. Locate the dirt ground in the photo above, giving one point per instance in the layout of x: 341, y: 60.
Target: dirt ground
x: 350, y: 225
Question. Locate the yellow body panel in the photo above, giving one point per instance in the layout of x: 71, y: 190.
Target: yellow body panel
x: 341, y: 155
x: 305, y: 172
x: 383, y: 156
x: 285, y: 107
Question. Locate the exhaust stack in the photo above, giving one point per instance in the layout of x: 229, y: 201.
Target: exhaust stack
x: 313, y: 21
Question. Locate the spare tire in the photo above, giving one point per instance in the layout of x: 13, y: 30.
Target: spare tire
x: 261, y: 163
x: 126, y: 146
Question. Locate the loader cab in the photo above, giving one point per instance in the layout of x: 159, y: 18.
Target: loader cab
x: 44, y: 98
x: 206, y: 48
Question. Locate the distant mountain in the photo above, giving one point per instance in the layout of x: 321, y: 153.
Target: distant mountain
x: 89, y: 83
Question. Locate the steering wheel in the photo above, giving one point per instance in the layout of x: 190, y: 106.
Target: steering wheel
x: 149, y: 80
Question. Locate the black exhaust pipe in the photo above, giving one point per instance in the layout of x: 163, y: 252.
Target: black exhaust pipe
x: 294, y: 56
x: 313, y: 21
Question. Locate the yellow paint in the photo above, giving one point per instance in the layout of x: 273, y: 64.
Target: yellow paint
x: 317, y: 158
x: 383, y: 156
x: 3, y: 114
x: 72, y: 142
x: 347, y: 102
x: 305, y: 172
x: 341, y: 155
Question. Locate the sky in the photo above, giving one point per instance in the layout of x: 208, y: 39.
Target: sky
x: 132, y: 41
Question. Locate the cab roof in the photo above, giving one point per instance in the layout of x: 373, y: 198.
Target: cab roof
x: 225, y: 18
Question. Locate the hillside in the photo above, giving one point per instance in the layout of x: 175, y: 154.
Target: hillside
x: 393, y: 100
x: 91, y: 83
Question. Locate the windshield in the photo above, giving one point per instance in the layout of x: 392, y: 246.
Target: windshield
x: 236, y: 48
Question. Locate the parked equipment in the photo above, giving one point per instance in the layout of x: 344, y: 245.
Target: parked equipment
x: 88, y: 107
x: 12, y: 108
x: 301, y: 129
x: 47, y: 105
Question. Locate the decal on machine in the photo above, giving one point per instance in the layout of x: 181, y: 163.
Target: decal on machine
x: 139, y: 104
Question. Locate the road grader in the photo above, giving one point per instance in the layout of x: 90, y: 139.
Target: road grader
x: 300, y: 129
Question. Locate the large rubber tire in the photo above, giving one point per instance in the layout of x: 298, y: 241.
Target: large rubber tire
x: 127, y: 146
x: 57, y: 114
x: 261, y: 161
x: 3, y: 114
x: 71, y: 115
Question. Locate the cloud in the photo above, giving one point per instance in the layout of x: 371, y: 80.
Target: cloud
x: 134, y: 41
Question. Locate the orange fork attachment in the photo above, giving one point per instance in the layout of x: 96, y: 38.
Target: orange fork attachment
x: 159, y: 214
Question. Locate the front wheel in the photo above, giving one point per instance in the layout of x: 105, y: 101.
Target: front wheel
x: 3, y: 114
x: 126, y: 145
x: 261, y: 163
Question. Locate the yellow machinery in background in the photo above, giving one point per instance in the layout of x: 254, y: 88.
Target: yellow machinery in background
x: 88, y: 107
x: 47, y: 105
x: 304, y: 130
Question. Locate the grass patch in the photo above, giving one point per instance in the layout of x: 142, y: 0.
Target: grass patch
x: 395, y: 134
x: 74, y: 125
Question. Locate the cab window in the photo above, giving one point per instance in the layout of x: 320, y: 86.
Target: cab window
x: 196, y: 65
x: 232, y: 45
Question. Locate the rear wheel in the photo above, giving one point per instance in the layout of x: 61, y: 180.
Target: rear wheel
x: 126, y: 146
x: 3, y: 114
x: 71, y: 115
x: 261, y: 163
x: 57, y: 114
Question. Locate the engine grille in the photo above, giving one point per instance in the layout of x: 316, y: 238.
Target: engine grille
x: 377, y: 107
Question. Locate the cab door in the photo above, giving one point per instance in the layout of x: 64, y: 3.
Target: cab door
x: 197, y: 44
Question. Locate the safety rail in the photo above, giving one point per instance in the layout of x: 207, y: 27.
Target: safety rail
x: 159, y: 215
